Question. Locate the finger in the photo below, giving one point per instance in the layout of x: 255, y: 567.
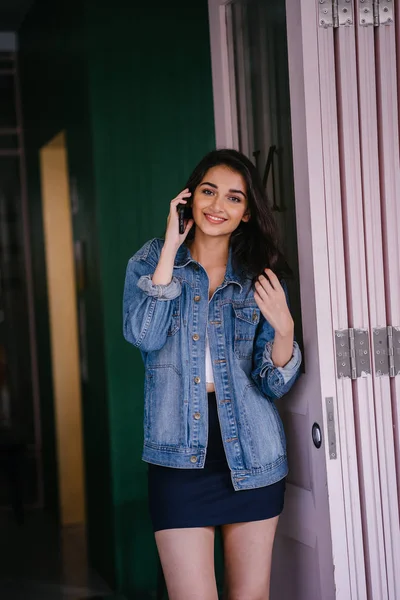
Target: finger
x: 174, y: 206
x: 181, y: 196
x: 189, y: 225
x: 184, y: 194
x: 265, y: 280
x: 265, y: 284
x: 261, y: 291
x: 177, y: 201
x: 273, y: 279
x: 258, y: 299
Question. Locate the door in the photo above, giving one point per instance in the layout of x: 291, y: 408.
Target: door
x: 357, y: 68
x: 267, y: 95
x: 339, y: 535
x: 365, y: 133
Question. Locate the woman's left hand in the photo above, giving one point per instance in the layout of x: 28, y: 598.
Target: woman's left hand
x: 271, y: 300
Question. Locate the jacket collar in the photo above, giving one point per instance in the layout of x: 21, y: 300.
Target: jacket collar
x: 184, y: 257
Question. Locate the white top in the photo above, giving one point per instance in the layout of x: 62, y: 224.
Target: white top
x: 209, y: 367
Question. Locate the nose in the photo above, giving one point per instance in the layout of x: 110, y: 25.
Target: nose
x: 217, y: 204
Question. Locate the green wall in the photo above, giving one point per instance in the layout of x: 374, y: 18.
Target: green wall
x: 152, y: 120
x: 131, y: 85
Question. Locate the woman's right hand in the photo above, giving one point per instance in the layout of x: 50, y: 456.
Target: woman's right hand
x: 173, y: 239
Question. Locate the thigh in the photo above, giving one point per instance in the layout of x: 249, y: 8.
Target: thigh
x: 248, y: 554
x: 187, y: 558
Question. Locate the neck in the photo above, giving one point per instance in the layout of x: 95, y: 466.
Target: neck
x: 208, y: 250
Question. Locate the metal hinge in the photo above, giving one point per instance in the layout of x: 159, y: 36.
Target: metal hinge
x: 352, y: 353
x: 335, y: 13
x: 376, y: 12
x: 387, y: 351
x: 330, y: 418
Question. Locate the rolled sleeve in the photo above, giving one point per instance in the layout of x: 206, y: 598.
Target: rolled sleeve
x: 162, y: 292
x: 148, y: 309
x: 289, y: 370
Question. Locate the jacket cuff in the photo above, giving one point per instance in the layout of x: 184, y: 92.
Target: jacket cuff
x: 289, y: 370
x: 162, y: 292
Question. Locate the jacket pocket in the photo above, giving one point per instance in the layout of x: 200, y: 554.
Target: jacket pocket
x: 264, y: 442
x: 246, y: 321
x: 164, y: 422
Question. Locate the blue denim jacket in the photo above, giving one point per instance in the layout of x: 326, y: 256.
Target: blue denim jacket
x: 168, y: 324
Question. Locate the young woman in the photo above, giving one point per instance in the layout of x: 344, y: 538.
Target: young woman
x: 209, y: 313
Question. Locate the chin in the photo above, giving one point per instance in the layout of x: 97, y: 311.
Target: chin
x: 215, y: 232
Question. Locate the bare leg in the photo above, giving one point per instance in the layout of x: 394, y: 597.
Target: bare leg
x: 248, y: 554
x: 187, y: 558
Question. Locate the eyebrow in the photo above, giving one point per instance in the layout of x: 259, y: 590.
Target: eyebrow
x: 216, y: 187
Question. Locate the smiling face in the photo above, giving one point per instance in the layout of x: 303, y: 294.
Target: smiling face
x: 220, y: 202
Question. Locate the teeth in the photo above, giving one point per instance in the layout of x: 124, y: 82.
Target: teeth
x: 216, y: 219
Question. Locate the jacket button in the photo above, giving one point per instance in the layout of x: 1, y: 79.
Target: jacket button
x: 193, y: 459
x: 197, y: 416
x: 197, y: 298
x: 197, y: 379
x: 196, y: 337
x: 196, y: 267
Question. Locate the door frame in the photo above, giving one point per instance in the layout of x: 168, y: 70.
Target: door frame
x: 342, y: 573
x: 64, y: 331
x: 225, y: 123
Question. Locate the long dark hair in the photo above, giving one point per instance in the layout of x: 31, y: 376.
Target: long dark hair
x: 255, y: 244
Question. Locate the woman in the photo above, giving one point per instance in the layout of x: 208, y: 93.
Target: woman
x: 211, y: 319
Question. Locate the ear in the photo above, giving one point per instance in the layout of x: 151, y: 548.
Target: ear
x: 246, y: 217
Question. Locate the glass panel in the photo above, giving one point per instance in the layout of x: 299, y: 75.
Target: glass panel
x: 259, y: 78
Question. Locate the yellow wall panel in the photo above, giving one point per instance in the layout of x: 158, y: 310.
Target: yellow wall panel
x: 64, y: 328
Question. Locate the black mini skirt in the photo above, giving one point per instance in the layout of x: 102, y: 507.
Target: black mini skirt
x: 180, y: 498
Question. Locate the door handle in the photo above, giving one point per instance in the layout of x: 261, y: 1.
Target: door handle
x: 317, y: 435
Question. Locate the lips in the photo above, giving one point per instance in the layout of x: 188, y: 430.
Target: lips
x: 214, y: 220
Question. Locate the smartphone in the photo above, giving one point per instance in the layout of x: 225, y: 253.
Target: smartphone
x: 185, y: 213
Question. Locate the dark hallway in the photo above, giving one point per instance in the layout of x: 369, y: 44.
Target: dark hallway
x: 38, y: 563
x: 38, y: 560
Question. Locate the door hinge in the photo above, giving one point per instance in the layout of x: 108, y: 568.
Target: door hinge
x: 376, y: 12
x: 352, y: 353
x: 335, y: 13
x: 330, y: 418
x: 387, y: 351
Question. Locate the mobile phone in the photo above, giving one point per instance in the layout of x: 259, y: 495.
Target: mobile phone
x: 185, y: 213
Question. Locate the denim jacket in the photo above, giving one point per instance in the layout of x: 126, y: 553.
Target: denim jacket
x: 168, y: 323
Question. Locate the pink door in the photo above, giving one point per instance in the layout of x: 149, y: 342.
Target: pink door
x: 323, y: 95
x: 357, y: 66
x: 253, y: 113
